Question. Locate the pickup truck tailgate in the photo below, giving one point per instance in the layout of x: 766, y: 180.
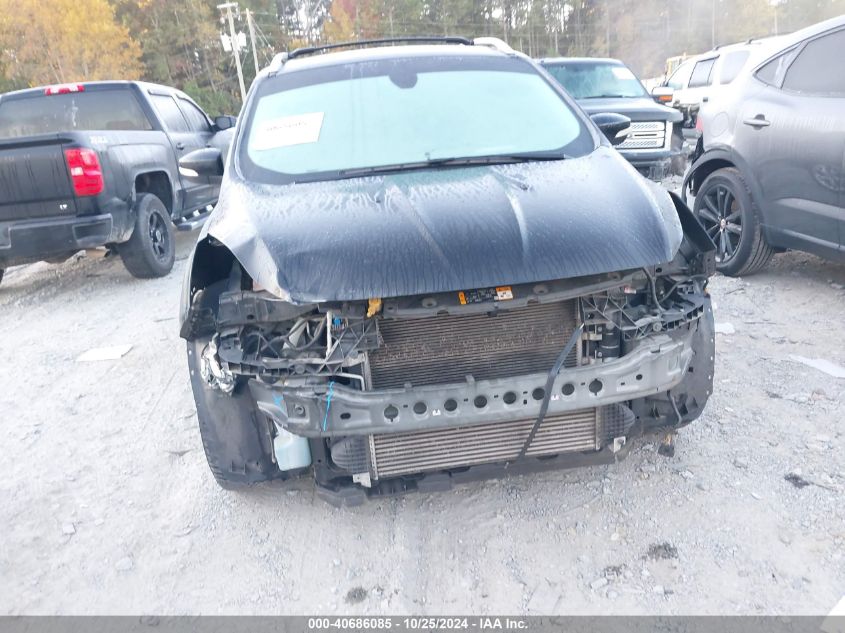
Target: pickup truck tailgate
x: 34, y: 179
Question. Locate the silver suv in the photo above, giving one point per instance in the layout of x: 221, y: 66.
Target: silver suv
x: 705, y: 77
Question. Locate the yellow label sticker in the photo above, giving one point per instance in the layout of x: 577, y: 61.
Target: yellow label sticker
x: 485, y: 295
x: 504, y: 293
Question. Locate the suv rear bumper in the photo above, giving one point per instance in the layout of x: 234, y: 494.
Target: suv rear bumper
x: 27, y: 241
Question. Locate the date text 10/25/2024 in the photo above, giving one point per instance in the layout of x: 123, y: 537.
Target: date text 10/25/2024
x: 418, y: 623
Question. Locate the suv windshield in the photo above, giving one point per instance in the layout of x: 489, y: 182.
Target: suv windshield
x: 595, y: 80
x: 405, y: 113
x: 93, y: 110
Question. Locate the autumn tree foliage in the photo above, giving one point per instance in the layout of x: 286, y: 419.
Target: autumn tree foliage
x: 58, y: 41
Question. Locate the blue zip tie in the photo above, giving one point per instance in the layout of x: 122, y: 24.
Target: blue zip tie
x: 328, y: 404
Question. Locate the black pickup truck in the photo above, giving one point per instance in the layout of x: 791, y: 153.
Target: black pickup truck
x: 96, y: 164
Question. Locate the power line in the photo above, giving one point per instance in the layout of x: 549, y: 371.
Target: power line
x: 267, y: 45
x: 234, y: 40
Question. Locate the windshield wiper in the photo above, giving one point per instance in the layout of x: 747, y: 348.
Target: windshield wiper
x: 493, y: 159
x: 617, y: 96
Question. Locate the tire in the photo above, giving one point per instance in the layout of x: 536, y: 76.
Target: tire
x: 1, y: 274
x: 151, y: 251
x: 724, y: 205
x: 235, y: 435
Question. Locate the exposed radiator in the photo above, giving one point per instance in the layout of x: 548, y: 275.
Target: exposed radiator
x: 445, y: 349
x: 407, y: 453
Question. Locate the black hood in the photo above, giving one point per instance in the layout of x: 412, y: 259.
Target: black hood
x: 442, y: 230
x: 635, y: 108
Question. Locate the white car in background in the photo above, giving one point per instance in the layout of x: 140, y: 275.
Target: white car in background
x: 702, y: 78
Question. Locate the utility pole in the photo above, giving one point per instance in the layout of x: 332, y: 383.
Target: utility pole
x: 252, y: 39
x: 234, y: 39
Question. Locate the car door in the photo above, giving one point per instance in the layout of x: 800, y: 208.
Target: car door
x: 183, y: 140
x: 199, y: 125
x: 791, y: 134
x: 679, y: 79
x: 699, y: 82
x: 690, y: 83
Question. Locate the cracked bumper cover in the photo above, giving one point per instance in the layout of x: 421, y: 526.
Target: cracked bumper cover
x: 656, y: 365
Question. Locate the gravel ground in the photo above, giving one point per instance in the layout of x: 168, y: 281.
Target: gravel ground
x: 107, y: 506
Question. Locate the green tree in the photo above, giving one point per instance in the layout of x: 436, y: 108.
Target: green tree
x: 58, y: 41
x: 181, y: 47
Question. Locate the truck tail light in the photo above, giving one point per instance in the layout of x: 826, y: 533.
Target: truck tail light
x: 85, y: 171
x: 63, y: 89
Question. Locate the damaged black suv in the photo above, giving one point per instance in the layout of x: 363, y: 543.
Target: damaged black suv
x: 428, y: 265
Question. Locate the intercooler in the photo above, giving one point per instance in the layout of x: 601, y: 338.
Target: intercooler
x: 446, y: 348
x: 396, y: 454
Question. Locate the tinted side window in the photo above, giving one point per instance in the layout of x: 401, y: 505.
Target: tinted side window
x: 732, y: 63
x: 169, y: 112
x: 818, y: 69
x: 772, y: 71
x: 701, y: 73
x: 196, y: 119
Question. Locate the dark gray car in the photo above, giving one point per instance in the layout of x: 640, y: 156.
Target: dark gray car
x: 608, y: 85
x: 769, y: 173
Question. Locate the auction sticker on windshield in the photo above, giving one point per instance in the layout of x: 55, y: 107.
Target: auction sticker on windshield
x: 297, y: 129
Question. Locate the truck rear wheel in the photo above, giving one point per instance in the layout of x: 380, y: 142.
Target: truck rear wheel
x: 150, y: 252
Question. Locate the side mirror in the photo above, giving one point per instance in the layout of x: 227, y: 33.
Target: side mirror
x: 614, y: 126
x: 224, y: 122
x: 202, y: 163
x: 663, y: 94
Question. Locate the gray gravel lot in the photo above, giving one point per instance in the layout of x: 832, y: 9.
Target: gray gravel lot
x: 107, y: 506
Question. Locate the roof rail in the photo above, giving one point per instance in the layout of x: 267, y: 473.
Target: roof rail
x: 311, y: 50
x: 494, y: 43
x: 278, y: 61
